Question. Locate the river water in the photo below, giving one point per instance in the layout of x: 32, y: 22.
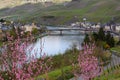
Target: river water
x: 56, y: 44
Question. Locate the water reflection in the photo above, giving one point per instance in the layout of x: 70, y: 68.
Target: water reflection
x: 52, y: 45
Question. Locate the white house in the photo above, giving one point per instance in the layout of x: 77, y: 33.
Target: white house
x: 107, y: 27
x: 118, y: 28
x: 97, y: 26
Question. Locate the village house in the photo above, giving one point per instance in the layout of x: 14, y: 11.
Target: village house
x: 76, y: 24
x: 118, y: 28
x: 28, y: 27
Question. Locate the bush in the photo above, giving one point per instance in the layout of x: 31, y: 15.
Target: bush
x: 101, y: 34
x: 118, y: 43
x: 86, y: 39
x: 13, y: 33
x: 34, y: 31
x: 66, y: 76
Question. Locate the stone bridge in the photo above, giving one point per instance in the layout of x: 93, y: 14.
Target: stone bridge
x: 81, y: 29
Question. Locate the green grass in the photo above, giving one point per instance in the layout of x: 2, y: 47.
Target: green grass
x: 53, y: 75
x: 117, y: 49
x: 1, y: 43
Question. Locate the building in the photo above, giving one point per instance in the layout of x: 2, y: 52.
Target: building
x: 29, y: 28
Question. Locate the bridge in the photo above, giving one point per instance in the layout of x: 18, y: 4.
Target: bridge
x: 82, y: 29
x: 70, y: 29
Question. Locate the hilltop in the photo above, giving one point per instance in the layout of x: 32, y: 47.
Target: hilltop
x: 64, y: 13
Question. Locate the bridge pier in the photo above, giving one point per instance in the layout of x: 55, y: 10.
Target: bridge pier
x: 60, y: 32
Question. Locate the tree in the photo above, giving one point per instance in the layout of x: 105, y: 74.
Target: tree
x: 88, y: 63
x: 16, y: 64
x: 110, y: 40
x: 108, y: 36
x: 34, y: 31
x: 102, y: 39
x: 101, y: 34
x: 95, y: 35
x: 2, y: 20
x: 86, y: 39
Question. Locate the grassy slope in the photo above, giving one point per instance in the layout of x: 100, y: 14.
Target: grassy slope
x: 94, y: 10
x: 53, y: 75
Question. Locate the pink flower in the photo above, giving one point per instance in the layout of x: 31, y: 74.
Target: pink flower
x: 88, y: 63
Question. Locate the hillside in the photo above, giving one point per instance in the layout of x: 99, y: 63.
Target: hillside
x: 93, y: 10
x: 13, y: 3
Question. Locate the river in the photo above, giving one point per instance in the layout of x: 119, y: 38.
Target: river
x: 56, y: 44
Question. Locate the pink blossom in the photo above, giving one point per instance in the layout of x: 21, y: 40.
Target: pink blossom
x: 88, y: 63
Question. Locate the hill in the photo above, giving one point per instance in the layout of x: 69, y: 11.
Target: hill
x: 93, y: 10
x: 13, y: 3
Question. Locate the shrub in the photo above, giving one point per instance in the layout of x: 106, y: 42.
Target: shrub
x: 88, y: 63
x: 34, y: 31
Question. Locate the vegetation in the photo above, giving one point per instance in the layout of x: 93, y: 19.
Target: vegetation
x: 88, y: 63
x: 1, y: 43
x: 103, y: 55
x: 104, y: 42
x: 64, y: 73
x: 16, y: 64
x: 101, y: 38
x: 86, y: 39
x: 66, y: 59
x: 35, y: 31
x: 116, y: 49
x: 114, y: 75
